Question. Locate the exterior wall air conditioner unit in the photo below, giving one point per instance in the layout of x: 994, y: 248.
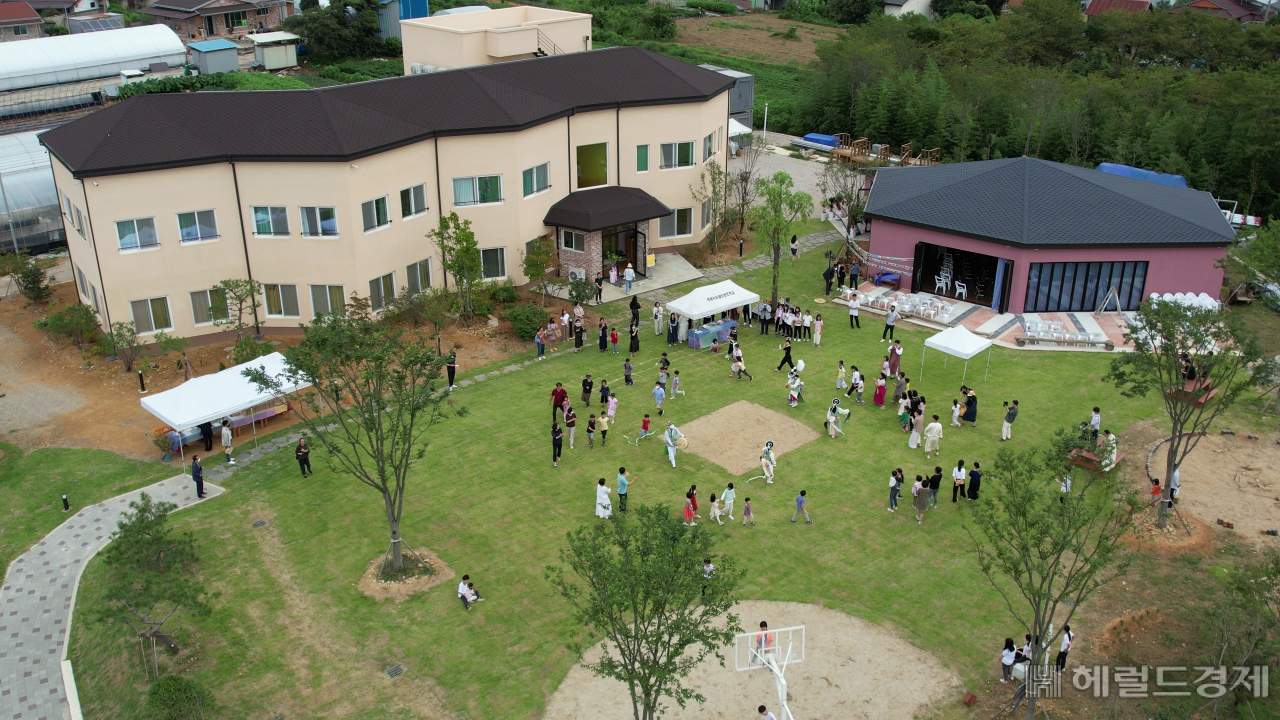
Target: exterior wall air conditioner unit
x: 417, y: 69
x: 577, y: 274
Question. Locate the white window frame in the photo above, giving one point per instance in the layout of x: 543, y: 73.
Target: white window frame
x: 414, y: 275
x: 708, y: 147
x: 675, y: 218
x: 17, y: 28
x: 139, y: 246
x: 475, y: 191
x: 546, y: 176
x: 564, y: 233
x: 370, y: 208
x: 675, y: 146
x: 502, y: 259
x: 302, y: 215
x: 706, y: 213
x: 271, y: 218
x: 208, y: 298
x: 414, y: 210
x: 328, y: 290
x: 382, y: 290
x: 151, y: 320
x: 195, y: 216
x: 266, y: 303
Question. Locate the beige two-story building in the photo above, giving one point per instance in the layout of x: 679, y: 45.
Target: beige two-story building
x: 319, y: 193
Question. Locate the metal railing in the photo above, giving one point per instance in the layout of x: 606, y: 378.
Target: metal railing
x: 545, y: 46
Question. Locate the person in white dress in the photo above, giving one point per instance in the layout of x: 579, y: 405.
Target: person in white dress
x: 671, y: 436
x: 604, y: 506
x: 768, y: 462
x: 657, y: 318
x: 835, y: 417
x: 932, y: 436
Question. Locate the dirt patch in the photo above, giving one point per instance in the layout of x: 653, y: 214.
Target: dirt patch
x: 851, y: 669
x: 1173, y: 538
x: 732, y: 436
x: 400, y: 591
x: 1124, y: 630
x: 753, y: 37
x: 1233, y: 478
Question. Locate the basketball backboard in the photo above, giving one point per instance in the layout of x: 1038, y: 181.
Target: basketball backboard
x: 784, y: 646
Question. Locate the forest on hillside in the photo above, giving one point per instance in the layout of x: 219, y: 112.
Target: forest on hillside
x: 1181, y: 93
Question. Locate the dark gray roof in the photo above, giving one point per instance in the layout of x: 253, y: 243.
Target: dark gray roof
x: 1027, y: 202
x: 600, y: 208
x: 346, y: 122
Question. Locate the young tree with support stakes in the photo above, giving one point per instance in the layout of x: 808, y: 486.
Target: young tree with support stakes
x: 1227, y: 362
x: 712, y: 194
x: 743, y: 181
x: 539, y: 259
x: 124, y: 343
x: 371, y: 402
x: 460, y: 257
x: 781, y: 205
x: 151, y: 578
x: 642, y: 587
x: 1040, y: 547
x: 842, y: 181
x: 172, y: 343
x: 234, y: 303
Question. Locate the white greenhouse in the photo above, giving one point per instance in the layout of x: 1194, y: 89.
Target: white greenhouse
x: 86, y: 56
x: 29, y: 215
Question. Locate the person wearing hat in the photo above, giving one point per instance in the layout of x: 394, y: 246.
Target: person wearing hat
x: 835, y: 415
x: 672, y: 435
x: 587, y: 385
x: 629, y: 276
x: 768, y: 462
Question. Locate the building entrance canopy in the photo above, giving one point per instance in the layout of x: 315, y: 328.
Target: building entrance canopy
x: 604, y: 207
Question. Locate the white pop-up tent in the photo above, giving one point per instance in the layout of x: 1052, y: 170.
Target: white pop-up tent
x: 959, y: 342
x: 213, y: 397
x: 736, y: 128
x: 711, y: 299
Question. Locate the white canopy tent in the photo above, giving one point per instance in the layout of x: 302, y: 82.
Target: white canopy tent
x: 961, y: 343
x: 736, y: 128
x: 711, y: 299
x: 220, y: 395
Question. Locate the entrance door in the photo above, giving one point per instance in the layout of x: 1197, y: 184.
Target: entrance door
x: 625, y: 242
x: 208, y: 26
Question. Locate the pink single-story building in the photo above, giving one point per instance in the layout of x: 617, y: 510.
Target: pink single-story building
x: 1027, y: 235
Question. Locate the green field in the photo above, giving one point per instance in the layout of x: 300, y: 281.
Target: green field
x: 292, y: 636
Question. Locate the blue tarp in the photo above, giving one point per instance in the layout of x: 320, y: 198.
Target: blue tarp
x: 820, y: 139
x: 1140, y: 174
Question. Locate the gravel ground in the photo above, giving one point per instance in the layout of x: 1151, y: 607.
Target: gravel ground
x: 805, y: 173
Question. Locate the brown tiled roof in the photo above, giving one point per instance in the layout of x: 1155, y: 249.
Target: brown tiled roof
x: 1133, y: 7
x: 345, y: 122
x: 600, y: 208
x: 18, y: 13
x: 1223, y: 8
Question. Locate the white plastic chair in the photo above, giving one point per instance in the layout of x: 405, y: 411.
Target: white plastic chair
x: 961, y: 290
x: 940, y: 283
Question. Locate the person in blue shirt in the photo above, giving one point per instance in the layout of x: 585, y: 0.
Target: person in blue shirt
x: 624, y: 484
x: 659, y: 394
x: 800, y: 500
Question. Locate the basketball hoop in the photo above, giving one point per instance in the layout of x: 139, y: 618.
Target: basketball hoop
x: 773, y: 650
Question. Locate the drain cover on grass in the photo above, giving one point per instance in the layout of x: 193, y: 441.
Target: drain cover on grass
x: 259, y: 523
x: 394, y: 671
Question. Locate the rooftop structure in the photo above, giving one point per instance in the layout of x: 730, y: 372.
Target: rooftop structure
x: 480, y: 38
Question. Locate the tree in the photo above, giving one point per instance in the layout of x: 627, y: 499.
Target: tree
x: 581, y: 290
x: 1245, y: 624
x: 346, y: 29
x: 642, y: 589
x: 460, y: 257
x: 1258, y: 257
x: 842, y: 181
x: 372, y: 399
x: 76, y: 323
x: 539, y: 257
x: 172, y: 343
x: 230, y: 301
x: 1227, y: 358
x: 850, y: 12
x: 124, y: 343
x: 712, y: 192
x: 1039, y: 547
x: 33, y: 281
x: 781, y: 206
x: 151, y: 577
x: 743, y: 181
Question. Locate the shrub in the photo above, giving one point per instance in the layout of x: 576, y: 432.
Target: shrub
x: 76, y: 323
x: 33, y: 282
x: 123, y: 342
x: 715, y: 6
x: 526, y: 320
x: 173, y: 697
x: 581, y: 291
x: 505, y: 292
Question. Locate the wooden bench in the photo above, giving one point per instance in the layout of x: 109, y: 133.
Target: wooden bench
x: 1022, y: 342
x: 1194, y: 391
x: 1086, y: 459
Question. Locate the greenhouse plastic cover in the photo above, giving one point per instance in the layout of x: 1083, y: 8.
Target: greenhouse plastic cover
x: 85, y: 56
x: 27, y: 175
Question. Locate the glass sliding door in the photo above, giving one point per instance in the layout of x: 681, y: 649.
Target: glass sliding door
x: 1081, y: 287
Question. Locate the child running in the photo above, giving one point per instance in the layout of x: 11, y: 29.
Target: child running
x: 675, y: 383
x: 746, y: 513
x: 715, y: 509
x: 626, y: 370
x: 659, y: 394
x: 956, y: 409
x: 613, y: 408
x: 591, y: 433
x: 603, y: 424
x: 644, y: 429
x: 840, y: 373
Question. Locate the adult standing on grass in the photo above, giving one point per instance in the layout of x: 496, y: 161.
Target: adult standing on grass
x: 559, y: 398
x: 854, y: 306
x: 579, y: 332
x: 604, y: 508
x: 895, y: 357
x: 557, y: 443
x: 451, y: 368
x: 672, y: 330
x: 932, y: 436
x: 766, y: 317
x: 587, y: 385
x: 1095, y: 423
x: 570, y: 423
x: 604, y: 336
x: 895, y: 489
x: 958, y: 476
x: 786, y: 356
x: 671, y: 436
x: 917, y: 430
x: 539, y: 339
x: 727, y: 497
x: 693, y: 490
x: 303, y: 455
x: 624, y: 486
x: 890, y: 321
x: 919, y: 499
x: 228, y: 442
x: 881, y: 386
x: 688, y: 509
x: 800, y: 508
x: 1010, y: 414
x: 840, y: 274
x: 975, y: 480
x: 634, y: 347
x: 935, y: 484
x: 635, y: 309
x: 657, y: 318
x: 899, y: 386
x: 197, y: 474
x: 970, y: 406
x: 828, y: 276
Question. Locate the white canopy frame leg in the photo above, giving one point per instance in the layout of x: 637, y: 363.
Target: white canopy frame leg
x: 965, y: 374
x: 988, y: 370
x: 922, y: 352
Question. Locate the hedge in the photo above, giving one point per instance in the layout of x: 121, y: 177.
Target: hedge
x: 715, y: 6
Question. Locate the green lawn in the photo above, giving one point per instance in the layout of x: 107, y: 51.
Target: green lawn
x: 292, y: 636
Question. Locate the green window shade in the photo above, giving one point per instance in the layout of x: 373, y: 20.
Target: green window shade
x: 684, y: 155
x: 642, y: 158
x: 337, y: 302
x: 527, y: 178
x: 593, y: 165
x: 160, y: 313
x: 489, y: 188
x: 274, y: 305
x: 262, y: 220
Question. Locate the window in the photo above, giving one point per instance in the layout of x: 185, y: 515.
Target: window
x: 319, y: 222
x: 493, y: 263
x: 708, y: 147
x: 382, y: 291
x: 134, y: 234
x: 282, y: 300
x: 19, y: 29
x: 477, y: 190
x: 80, y: 223
x: 66, y: 207
x: 1081, y: 287
x: 236, y: 19
x: 197, y: 226
x: 642, y: 158
x: 151, y: 315
x: 676, y: 224
x: 327, y: 299
x: 209, y: 305
x: 375, y: 213
x: 679, y: 154
x: 413, y: 201
x: 571, y: 240
x: 419, y: 276
x: 94, y: 289
x: 262, y: 11
x: 81, y: 284
x: 593, y: 165
x: 271, y: 220
x: 535, y: 179
x: 706, y: 213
